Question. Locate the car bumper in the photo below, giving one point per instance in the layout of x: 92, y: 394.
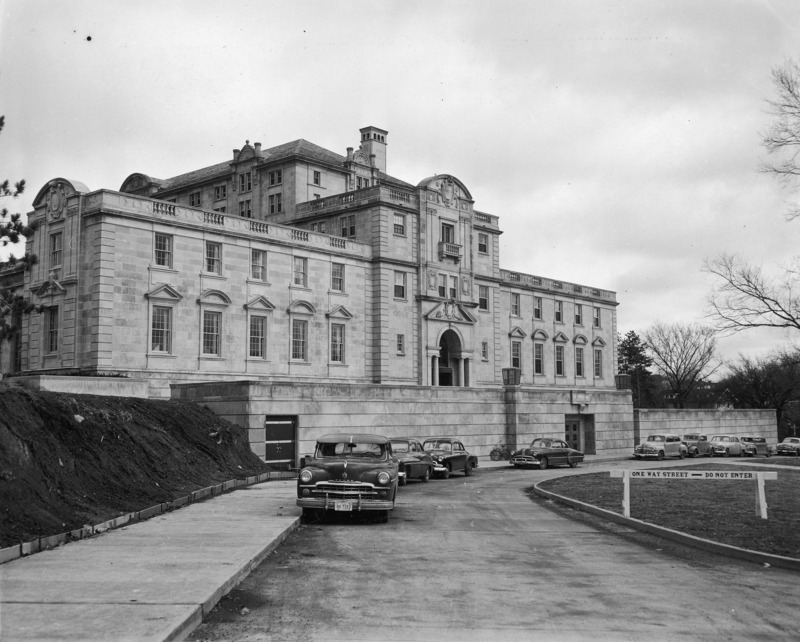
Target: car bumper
x: 439, y: 468
x: 330, y: 504
x: 525, y: 461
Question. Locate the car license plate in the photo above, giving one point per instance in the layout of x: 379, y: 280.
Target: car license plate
x: 343, y: 506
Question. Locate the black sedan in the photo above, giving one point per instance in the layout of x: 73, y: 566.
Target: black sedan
x: 413, y: 462
x: 544, y: 452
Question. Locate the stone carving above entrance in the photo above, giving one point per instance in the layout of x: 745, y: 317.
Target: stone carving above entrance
x: 56, y: 200
x: 452, y: 312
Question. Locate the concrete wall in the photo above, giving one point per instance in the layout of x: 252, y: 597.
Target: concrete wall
x: 105, y: 386
x: 480, y: 417
x: 763, y: 423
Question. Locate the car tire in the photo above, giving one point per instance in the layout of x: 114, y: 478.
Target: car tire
x: 681, y: 455
x: 727, y: 453
x: 310, y: 515
x: 446, y: 473
x: 660, y: 455
x: 542, y: 463
x: 572, y: 463
x: 383, y: 516
x: 402, y: 481
x: 468, y: 469
x: 426, y: 477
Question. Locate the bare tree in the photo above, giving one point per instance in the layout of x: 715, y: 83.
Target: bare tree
x: 782, y: 139
x: 744, y: 297
x: 683, y: 353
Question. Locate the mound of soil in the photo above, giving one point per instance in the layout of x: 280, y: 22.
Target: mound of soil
x: 71, y: 460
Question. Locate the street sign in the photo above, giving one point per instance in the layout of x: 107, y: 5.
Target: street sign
x: 713, y: 475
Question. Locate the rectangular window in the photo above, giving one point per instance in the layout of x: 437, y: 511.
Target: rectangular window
x: 516, y: 353
x: 559, y: 311
x: 537, y: 307
x: 161, y: 335
x: 596, y: 318
x: 578, y: 362
x: 51, y: 329
x: 213, y: 257
x: 276, y: 177
x: 299, y: 340
x: 578, y: 314
x: 275, y: 203
x: 220, y: 192
x: 194, y: 199
x: 442, y: 287
x: 56, y: 249
x: 221, y: 209
x: 560, y: 361
x: 483, y: 297
x: 598, y: 364
x: 400, y: 224
x: 321, y: 227
x: 258, y: 337
x: 337, y: 277
x: 485, y: 350
x: 300, y: 272
x: 245, y: 182
x: 212, y: 326
x: 317, y: 178
x: 453, y: 287
x: 163, y: 250
x: 258, y: 265
x: 448, y: 233
x: 401, y: 344
x: 399, y: 285
x: 514, y: 304
x: 483, y: 243
x: 244, y: 209
x: 348, y: 226
x: 337, y: 343
x: 538, y: 358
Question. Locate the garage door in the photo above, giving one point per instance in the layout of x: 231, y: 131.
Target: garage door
x: 281, y: 442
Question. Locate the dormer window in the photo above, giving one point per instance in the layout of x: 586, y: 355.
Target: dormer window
x: 245, y: 182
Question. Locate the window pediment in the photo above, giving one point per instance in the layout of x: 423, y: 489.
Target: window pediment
x: 517, y: 333
x: 259, y: 303
x: 214, y: 297
x: 301, y: 307
x: 339, y: 312
x: 599, y: 342
x: 539, y: 335
x: 560, y: 338
x: 580, y: 340
x: 164, y: 292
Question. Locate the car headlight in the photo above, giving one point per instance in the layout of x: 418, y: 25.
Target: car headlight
x: 383, y: 478
x: 305, y: 476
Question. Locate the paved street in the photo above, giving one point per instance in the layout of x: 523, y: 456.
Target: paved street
x: 476, y: 559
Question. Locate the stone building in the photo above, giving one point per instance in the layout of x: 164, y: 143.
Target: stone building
x: 297, y: 290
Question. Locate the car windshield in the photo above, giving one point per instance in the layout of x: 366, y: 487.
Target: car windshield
x: 342, y: 449
x: 399, y: 446
x: 541, y: 443
x: 437, y: 445
x: 655, y: 438
x: 791, y: 440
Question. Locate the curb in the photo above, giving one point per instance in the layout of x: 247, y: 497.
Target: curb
x: 24, y: 549
x: 746, y: 554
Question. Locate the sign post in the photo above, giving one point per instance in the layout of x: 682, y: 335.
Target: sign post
x: 715, y: 475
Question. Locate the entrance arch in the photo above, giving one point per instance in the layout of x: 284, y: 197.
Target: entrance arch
x: 450, y: 367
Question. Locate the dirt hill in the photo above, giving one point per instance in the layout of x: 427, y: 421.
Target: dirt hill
x: 71, y: 460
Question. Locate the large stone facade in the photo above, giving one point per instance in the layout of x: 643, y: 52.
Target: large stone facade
x: 298, y: 265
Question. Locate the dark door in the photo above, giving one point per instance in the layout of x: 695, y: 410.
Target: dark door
x: 281, y: 442
x: 572, y: 433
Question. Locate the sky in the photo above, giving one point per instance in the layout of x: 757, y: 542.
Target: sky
x: 619, y: 142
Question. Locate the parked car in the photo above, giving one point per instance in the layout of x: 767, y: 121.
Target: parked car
x: 544, y: 452
x: 697, y: 445
x: 413, y: 462
x: 349, y: 472
x: 660, y: 446
x: 789, y: 446
x: 449, y: 456
x: 755, y: 446
x: 727, y: 445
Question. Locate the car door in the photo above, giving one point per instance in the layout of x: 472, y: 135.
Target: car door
x: 459, y: 456
x: 558, y: 452
x: 736, y: 446
x: 415, y: 450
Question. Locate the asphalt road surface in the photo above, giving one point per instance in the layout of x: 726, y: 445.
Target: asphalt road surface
x: 477, y: 559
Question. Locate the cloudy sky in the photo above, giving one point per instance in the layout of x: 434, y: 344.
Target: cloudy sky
x: 618, y: 142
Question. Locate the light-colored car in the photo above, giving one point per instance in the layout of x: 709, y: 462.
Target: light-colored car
x: 790, y: 446
x: 727, y: 446
x: 755, y: 446
x: 660, y: 446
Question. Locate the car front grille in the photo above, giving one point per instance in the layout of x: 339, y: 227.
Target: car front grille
x: 340, y: 490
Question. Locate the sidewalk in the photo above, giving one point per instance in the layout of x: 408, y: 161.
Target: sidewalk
x: 152, y: 580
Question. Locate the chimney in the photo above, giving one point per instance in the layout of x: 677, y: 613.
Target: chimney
x: 258, y: 149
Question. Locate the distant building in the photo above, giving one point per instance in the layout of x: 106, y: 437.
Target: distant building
x: 296, y: 269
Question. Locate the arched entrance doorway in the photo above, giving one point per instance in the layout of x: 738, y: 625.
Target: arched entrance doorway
x: 451, y: 364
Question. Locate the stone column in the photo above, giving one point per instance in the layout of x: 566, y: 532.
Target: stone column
x: 461, y: 372
x: 435, y: 373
